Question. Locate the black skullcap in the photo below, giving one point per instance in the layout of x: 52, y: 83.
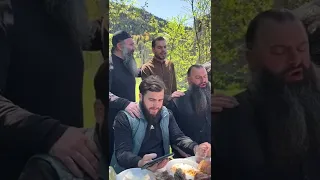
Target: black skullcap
x: 119, y: 36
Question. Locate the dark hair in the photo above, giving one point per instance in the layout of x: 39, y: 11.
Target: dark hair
x: 278, y: 15
x: 198, y: 66
x: 151, y: 83
x: 153, y: 44
x: 101, y: 83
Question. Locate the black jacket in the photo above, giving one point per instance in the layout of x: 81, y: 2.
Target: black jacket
x: 193, y: 125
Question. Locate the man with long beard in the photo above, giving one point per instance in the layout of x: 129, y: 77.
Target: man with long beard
x: 42, y: 72
x: 274, y: 133
x: 122, y: 83
x: 193, y: 110
x: 138, y: 141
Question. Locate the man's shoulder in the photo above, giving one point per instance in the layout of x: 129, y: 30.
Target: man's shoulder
x: 240, y: 115
x: 148, y: 64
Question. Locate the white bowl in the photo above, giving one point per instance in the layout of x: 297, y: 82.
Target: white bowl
x: 138, y: 174
x: 182, y: 161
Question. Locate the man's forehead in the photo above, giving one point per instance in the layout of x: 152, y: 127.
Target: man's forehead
x: 129, y: 40
x: 160, y: 42
x: 271, y: 32
x: 198, y: 71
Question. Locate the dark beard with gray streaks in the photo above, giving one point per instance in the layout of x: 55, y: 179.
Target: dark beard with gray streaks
x: 129, y: 61
x: 289, y: 116
x: 201, y: 98
x: 71, y: 14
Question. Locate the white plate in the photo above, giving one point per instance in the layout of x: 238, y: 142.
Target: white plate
x: 192, y: 158
x: 138, y: 174
x: 181, y: 161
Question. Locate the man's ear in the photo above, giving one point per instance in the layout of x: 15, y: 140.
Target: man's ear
x: 99, y: 111
x: 119, y: 46
x: 140, y: 97
x: 189, y: 80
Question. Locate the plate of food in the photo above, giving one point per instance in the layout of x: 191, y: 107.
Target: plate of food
x: 136, y: 174
x: 188, y: 167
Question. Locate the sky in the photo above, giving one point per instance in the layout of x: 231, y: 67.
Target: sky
x: 166, y: 9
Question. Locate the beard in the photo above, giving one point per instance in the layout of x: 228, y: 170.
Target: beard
x: 129, y: 61
x: 290, y: 116
x: 200, y: 98
x: 152, y: 119
x: 159, y: 58
x: 72, y: 14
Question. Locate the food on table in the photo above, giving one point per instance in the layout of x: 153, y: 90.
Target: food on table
x: 202, y: 176
x: 164, y: 176
x: 179, y: 175
x: 130, y: 176
x: 205, y: 166
x: 186, y: 168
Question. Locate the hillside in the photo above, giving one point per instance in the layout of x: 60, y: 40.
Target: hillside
x: 137, y: 25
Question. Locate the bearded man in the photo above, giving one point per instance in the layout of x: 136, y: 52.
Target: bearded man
x: 138, y: 141
x: 160, y: 66
x: 193, y: 110
x: 274, y: 133
x: 42, y: 72
x: 122, y: 82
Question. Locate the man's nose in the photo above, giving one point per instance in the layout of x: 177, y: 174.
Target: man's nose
x: 294, y: 58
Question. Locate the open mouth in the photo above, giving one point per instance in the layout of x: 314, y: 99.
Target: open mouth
x: 296, y: 72
x: 295, y: 75
x: 203, y: 85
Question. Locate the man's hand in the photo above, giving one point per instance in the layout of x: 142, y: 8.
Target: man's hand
x: 202, y: 151
x: 74, y: 149
x: 219, y: 102
x: 133, y: 109
x: 176, y: 94
x: 148, y: 157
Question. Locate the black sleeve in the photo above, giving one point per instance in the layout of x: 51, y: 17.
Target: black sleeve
x: 5, y: 52
x: 38, y: 169
x: 178, y: 138
x: 22, y: 129
x: 123, y: 142
x: 117, y: 102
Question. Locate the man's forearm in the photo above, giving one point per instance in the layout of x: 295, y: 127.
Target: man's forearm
x: 185, y: 143
x: 117, y: 102
x: 128, y: 159
x: 23, y: 129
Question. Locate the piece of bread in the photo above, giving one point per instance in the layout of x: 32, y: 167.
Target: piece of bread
x: 205, y: 167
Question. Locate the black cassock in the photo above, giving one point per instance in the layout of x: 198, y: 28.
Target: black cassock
x: 41, y: 71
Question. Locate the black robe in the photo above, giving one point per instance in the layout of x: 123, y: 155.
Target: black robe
x: 42, y: 72
x: 121, y: 84
x: 238, y: 139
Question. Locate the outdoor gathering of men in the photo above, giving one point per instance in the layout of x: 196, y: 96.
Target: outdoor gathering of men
x: 146, y: 130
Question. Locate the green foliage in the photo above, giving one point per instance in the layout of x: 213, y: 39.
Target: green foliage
x: 230, y: 19
x: 185, y: 45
